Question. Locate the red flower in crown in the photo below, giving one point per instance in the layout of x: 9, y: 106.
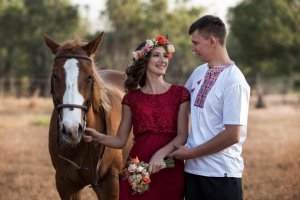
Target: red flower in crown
x: 140, y: 54
x: 162, y: 40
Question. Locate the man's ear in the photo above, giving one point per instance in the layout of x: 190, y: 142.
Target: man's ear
x: 213, y: 41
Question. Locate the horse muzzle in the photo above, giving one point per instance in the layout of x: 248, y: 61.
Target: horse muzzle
x: 72, y: 134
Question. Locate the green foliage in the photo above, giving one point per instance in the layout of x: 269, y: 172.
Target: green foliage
x: 264, y: 36
x: 22, y: 51
x: 41, y: 121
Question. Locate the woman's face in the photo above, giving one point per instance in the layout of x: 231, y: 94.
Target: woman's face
x: 158, y: 62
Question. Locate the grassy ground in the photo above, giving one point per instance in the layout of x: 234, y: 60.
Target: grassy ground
x: 271, y: 152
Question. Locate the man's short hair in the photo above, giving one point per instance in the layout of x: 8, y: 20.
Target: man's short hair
x: 210, y: 25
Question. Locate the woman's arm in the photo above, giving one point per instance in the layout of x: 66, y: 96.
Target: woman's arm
x: 156, y: 163
x: 118, y: 141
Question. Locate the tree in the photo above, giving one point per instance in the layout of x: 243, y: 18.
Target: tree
x: 264, y: 37
x: 22, y: 50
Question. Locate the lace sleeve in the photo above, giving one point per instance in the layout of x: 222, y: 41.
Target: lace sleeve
x: 126, y: 100
x: 185, y: 96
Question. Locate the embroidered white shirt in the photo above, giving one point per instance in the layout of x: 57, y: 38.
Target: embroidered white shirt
x: 219, y: 96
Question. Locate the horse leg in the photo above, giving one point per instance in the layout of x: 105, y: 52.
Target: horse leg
x: 109, y: 187
x: 67, y: 189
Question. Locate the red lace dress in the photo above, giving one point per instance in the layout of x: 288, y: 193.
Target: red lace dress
x: 154, y: 118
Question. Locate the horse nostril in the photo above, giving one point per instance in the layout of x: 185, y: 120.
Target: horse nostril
x: 64, y: 131
x: 80, y: 128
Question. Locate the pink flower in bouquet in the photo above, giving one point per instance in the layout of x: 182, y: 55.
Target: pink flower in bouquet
x: 138, y: 176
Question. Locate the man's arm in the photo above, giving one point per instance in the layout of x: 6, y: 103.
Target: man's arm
x: 223, y: 140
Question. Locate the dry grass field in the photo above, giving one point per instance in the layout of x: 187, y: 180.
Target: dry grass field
x: 271, y: 152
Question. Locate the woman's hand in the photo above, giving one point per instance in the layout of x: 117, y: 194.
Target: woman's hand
x: 156, y: 163
x: 92, y: 135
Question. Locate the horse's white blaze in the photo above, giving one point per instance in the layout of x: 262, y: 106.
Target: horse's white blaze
x: 72, y: 118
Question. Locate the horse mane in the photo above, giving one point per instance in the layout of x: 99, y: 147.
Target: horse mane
x: 100, y: 96
x: 100, y: 92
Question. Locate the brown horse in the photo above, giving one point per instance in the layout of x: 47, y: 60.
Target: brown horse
x: 81, y: 98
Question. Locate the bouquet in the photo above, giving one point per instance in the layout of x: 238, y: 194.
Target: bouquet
x: 138, y: 175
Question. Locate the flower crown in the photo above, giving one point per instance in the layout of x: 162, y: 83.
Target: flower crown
x: 160, y: 40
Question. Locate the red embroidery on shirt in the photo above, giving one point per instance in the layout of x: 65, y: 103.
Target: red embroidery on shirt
x: 210, y: 78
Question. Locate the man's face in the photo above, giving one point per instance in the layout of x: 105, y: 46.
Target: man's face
x: 200, y: 46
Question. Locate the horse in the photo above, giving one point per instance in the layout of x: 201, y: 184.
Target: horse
x: 83, y: 97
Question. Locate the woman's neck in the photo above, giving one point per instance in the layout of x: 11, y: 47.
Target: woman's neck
x: 157, y: 86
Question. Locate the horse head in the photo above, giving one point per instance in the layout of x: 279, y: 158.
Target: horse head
x: 72, y: 84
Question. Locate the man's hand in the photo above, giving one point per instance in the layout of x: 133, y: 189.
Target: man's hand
x: 182, y: 153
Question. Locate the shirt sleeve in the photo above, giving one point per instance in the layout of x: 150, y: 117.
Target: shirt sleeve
x: 236, y: 105
x: 189, y: 83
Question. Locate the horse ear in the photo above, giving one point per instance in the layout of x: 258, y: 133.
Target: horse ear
x: 93, y: 45
x: 53, y: 46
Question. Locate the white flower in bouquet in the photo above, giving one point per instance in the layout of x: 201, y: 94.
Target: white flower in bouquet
x: 138, y: 176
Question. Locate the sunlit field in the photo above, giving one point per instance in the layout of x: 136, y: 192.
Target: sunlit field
x: 271, y: 151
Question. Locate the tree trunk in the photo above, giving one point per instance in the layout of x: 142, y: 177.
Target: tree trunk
x: 260, y: 103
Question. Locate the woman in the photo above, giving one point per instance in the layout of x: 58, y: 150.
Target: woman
x: 158, y: 113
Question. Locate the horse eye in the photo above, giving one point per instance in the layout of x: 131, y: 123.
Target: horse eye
x: 55, y: 77
x: 89, y: 78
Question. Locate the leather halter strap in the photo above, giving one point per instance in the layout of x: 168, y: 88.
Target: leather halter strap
x: 71, y: 106
x: 73, y: 56
x: 87, y: 103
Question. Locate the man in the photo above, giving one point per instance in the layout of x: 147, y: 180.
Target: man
x: 219, y: 112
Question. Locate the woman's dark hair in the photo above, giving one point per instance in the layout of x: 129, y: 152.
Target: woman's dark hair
x: 136, y: 72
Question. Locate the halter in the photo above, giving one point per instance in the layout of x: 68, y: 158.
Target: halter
x: 73, y: 56
x: 85, y: 107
